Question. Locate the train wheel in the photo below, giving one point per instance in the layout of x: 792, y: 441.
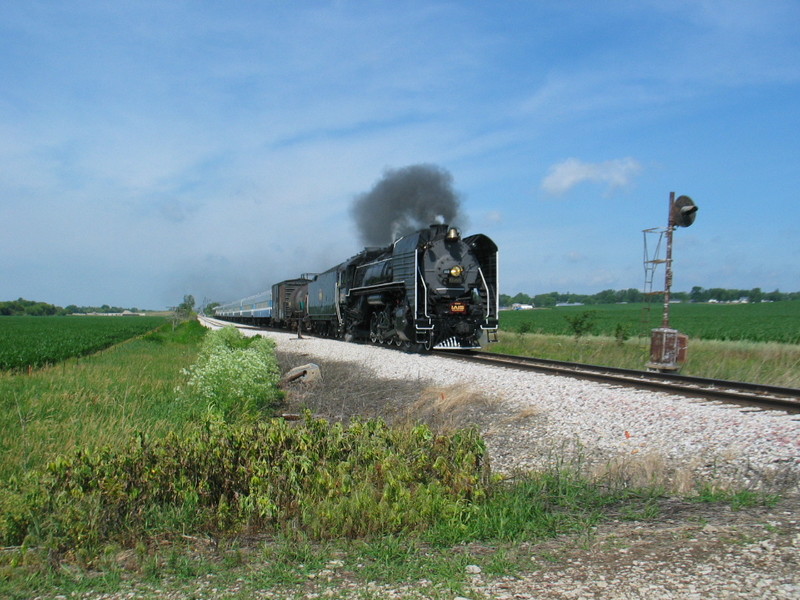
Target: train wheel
x: 427, y: 344
x: 373, y: 328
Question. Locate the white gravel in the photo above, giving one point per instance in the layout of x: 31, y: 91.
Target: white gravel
x: 541, y: 418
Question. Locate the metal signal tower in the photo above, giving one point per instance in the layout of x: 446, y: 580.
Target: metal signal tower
x: 667, y: 346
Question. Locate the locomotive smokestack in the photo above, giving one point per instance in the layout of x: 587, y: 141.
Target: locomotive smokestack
x: 405, y: 200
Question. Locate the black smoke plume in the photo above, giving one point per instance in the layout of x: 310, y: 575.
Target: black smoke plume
x: 406, y: 200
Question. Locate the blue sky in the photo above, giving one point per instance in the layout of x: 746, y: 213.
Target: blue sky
x: 154, y: 149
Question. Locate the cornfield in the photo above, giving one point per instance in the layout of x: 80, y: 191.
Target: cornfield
x: 763, y: 322
x: 38, y: 341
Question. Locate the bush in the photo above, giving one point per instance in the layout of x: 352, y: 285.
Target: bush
x: 524, y: 327
x: 581, y: 324
x: 311, y: 477
x: 236, y: 376
x: 621, y: 334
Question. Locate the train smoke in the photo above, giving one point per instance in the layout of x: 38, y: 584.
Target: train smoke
x: 406, y: 200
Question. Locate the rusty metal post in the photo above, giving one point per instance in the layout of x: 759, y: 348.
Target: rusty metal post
x: 664, y: 343
x: 668, y: 263
x: 668, y: 346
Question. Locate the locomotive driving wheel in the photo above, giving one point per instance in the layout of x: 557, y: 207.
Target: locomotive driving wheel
x: 373, y: 328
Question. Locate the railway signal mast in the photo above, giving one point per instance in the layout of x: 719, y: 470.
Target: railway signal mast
x: 667, y: 345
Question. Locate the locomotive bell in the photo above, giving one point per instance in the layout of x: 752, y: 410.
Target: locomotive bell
x: 453, y: 235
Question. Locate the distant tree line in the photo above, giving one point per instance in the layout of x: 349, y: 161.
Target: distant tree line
x: 631, y: 295
x: 22, y: 307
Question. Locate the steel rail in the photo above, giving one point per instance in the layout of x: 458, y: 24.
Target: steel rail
x: 752, y: 394
x: 748, y: 394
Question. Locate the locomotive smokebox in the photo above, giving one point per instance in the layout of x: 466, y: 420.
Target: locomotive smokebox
x: 667, y: 349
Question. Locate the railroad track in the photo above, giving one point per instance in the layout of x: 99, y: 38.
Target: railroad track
x: 749, y: 394
x: 746, y: 394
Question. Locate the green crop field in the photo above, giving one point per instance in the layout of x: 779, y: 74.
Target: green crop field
x: 38, y: 341
x: 762, y: 322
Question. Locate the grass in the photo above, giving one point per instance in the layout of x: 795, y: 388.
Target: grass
x: 737, y: 499
x: 102, y: 400
x: 500, y: 538
x: 128, y: 393
x: 768, y: 363
x: 495, y: 536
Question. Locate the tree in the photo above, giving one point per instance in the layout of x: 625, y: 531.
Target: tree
x: 606, y: 297
x: 183, y: 311
x: 697, y: 294
x: 522, y: 299
x: 188, y: 304
x: 582, y: 323
x: 548, y: 299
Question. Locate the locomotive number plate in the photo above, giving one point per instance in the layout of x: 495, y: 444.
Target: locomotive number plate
x: 458, y: 307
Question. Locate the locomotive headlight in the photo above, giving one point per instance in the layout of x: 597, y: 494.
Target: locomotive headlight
x: 457, y: 271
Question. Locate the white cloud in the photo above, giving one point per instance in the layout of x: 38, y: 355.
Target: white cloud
x: 575, y: 257
x: 494, y: 216
x: 566, y: 175
x: 138, y: 143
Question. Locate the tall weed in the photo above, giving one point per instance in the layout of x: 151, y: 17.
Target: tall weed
x: 236, y: 376
x: 756, y: 362
x: 313, y: 477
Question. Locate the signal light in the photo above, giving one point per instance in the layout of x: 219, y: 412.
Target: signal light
x: 683, y: 211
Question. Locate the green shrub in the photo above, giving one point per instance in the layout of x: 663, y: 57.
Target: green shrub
x: 189, y: 332
x: 312, y: 477
x: 621, y: 334
x: 524, y: 327
x: 236, y: 376
x: 582, y: 323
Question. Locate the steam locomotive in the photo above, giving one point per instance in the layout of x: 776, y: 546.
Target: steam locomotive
x: 430, y: 289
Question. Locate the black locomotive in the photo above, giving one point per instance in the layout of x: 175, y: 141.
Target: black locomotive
x: 429, y: 289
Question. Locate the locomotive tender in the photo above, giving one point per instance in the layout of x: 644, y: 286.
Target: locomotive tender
x: 429, y: 289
